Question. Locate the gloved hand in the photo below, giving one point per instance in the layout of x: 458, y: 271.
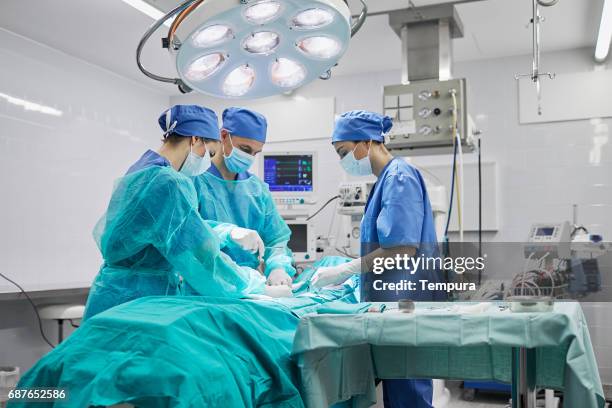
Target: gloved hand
x: 278, y: 291
x: 278, y: 277
x: 335, y: 275
x: 248, y: 240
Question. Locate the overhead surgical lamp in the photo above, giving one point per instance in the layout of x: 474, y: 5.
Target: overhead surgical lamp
x: 254, y: 48
x: 604, y: 37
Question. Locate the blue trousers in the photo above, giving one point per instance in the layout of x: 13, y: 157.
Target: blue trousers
x: 407, y: 393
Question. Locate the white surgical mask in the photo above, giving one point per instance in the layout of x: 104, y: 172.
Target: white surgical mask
x: 195, y: 165
x: 354, y: 167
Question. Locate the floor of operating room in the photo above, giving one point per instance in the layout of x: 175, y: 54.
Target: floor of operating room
x: 481, y: 400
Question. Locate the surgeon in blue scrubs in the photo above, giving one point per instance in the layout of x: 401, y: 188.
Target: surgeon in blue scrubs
x: 228, y: 193
x: 398, y: 220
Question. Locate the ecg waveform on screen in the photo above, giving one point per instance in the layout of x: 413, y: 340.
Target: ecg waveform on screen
x: 288, y: 173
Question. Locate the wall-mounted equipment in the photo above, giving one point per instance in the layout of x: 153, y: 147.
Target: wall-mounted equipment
x: 426, y: 115
x: 428, y: 108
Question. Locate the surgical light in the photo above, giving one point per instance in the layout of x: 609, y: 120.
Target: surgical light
x: 605, y: 32
x: 254, y: 48
x: 320, y: 47
x: 262, y: 42
x: 313, y: 18
x: 239, y: 81
x: 287, y: 73
x: 204, y: 66
x: 262, y: 12
x: 212, y: 35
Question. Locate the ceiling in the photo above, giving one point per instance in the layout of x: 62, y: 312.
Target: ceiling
x: 106, y: 32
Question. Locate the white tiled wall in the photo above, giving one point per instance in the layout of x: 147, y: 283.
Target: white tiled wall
x: 57, y: 173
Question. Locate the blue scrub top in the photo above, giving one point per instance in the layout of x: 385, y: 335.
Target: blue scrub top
x: 148, y: 159
x: 398, y: 213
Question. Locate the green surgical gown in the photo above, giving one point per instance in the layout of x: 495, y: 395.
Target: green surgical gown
x: 152, y: 236
x: 248, y: 204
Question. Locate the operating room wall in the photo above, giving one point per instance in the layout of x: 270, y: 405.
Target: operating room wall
x: 57, y: 174
x: 543, y: 169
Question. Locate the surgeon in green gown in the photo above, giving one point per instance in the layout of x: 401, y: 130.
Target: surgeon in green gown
x: 228, y: 193
x: 152, y: 235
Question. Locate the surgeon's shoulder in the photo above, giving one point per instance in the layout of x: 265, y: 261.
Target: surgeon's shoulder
x: 167, y: 177
x: 258, y: 184
x: 400, y: 172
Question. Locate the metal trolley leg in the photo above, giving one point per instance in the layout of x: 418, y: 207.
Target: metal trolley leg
x: 523, y: 378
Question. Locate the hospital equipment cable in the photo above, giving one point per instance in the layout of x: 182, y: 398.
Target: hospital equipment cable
x: 453, y: 176
x: 450, y: 204
x: 459, y: 179
x: 40, y: 327
x: 323, y: 207
x: 479, y: 211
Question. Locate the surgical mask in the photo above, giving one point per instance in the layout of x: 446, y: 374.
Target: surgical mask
x: 354, y: 167
x: 238, y: 161
x: 195, y: 165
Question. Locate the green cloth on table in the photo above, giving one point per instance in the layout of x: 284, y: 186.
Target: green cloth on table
x: 338, y: 307
x: 184, y: 352
x: 341, y: 356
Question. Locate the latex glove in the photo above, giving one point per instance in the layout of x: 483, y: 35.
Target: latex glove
x: 335, y: 275
x: 278, y: 277
x: 248, y: 240
x: 278, y: 291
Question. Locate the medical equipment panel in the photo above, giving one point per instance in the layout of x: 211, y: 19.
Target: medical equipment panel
x: 427, y: 114
x: 552, y: 238
x: 354, y: 194
x: 303, y: 240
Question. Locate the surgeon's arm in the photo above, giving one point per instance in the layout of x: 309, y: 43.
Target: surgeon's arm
x: 276, y: 235
x: 223, y: 230
x: 192, y: 247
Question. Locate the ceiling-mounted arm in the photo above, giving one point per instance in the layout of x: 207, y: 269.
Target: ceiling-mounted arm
x: 361, y: 19
x: 355, y: 27
x: 177, y: 81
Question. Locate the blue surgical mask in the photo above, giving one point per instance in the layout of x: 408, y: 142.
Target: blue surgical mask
x: 195, y: 165
x: 238, y: 161
x: 354, y: 167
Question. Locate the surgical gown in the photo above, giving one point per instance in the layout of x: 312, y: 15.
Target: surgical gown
x: 247, y: 203
x: 398, y: 213
x: 152, y: 236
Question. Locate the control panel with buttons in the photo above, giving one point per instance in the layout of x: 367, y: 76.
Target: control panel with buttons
x: 423, y: 114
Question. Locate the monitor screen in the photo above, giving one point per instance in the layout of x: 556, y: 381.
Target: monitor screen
x: 544, y: 232
x: 299, y: 237
x: 288, y: 173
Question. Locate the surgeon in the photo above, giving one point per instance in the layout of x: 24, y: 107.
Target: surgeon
x: 398, y: 220
x: 152, y: 235
x: 228, y: 193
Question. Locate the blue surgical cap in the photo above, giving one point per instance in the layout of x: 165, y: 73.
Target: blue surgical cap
x: 190, y: 120
x: 245, y: 123
x: 358, y: 125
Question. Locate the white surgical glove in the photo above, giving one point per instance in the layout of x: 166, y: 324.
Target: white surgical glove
x: 278, y: 276
x: 335, y: 275
x: 278, y: 291
x: 248, y: 240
